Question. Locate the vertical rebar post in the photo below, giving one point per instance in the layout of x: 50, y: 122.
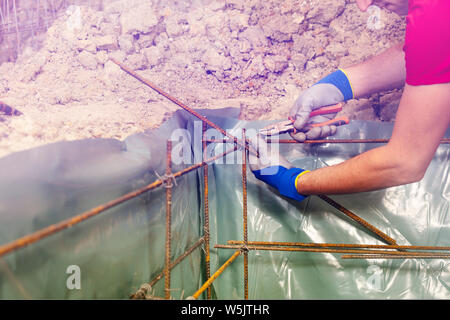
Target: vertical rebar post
x: 358, y: 219
x: 168, y: 184
x: 206, y: 209
x: 244, y: 210
x: 185, y: 107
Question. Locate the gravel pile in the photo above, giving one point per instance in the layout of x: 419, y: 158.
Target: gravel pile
x: 255, y: 55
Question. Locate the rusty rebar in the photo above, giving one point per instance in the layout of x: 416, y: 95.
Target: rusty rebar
x: 179, y: 259
x: 10, y: 275
x: 216, y: 274
x: 8, y: 110
x: 338, y: 141
x: 244, y: 210
x: 327, y: 250
x: 45, y: 232
x: 173, y: 264
x: 341, y: 245
x: 358, y: 219
x: 168, y: 218
x: 206, y: 210
x: 183, y: 106
x: 321, y: 141
x: 387, y: 256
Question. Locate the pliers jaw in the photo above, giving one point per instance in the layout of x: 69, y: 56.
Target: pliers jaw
x: 278, y: 128
x: 288, y: 125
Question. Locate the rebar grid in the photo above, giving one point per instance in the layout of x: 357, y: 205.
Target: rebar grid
x: 340, y: 245
x: 219, y: 271
x: 359, y: 251
x: 199, y: 242
x: 17, y: 24
x: 330, y: 250
x: 244, y: 143
x: 321, y: 141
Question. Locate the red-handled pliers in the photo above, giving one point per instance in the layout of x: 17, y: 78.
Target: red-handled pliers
x: 288, y: 125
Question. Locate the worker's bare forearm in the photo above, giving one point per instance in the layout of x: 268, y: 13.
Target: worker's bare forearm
x: 385, y: 71
x: 368, y: 171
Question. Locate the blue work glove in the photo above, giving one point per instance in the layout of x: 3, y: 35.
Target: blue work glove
x: 273, y: 169
x: 332, y: 89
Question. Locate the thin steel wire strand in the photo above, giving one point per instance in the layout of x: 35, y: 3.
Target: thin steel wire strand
x: 387, y: 256
x: 244, y: 218
x: 341, y: 245
x: 168, y: 219
x: 246, y: 145
x: 206, y: 210
x: 215, y: 275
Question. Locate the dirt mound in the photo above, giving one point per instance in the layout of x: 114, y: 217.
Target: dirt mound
x: 256, y: 55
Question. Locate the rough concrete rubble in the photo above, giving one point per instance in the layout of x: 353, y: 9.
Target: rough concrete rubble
x: 255, y: 55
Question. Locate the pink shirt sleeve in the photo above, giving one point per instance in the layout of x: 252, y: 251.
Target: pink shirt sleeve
x: 427, y: 42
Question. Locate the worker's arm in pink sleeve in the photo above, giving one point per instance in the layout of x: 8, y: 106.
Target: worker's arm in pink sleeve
x: 427, y: 42
x: 422, y: 119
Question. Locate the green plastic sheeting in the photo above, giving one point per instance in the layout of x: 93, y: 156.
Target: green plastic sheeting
x: 123, y: 247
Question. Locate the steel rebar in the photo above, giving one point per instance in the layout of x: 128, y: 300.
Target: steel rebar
x: 321, y: 141
x: 216, y: 274
x: 45, y: 232
x: 183, y: 106
x: 358, y: 219
x: 206, y: 210
x: 168, y: 218
x: 327, y: 250
x: 338, y: 141
x: 244, y: 210
x: 387, y: 256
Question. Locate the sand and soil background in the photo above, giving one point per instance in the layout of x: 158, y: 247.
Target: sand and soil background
x: 256, y: 55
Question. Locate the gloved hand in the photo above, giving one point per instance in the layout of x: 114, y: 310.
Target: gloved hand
x: 273, y: 169
x: 332, y: 89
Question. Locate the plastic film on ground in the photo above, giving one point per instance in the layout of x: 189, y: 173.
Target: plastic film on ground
x: 122, y: 248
